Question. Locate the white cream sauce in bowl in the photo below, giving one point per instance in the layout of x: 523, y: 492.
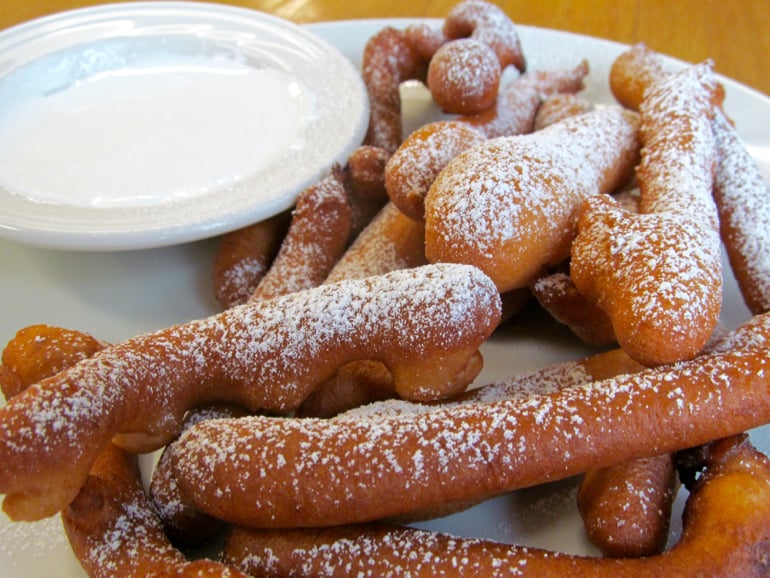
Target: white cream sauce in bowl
x: 145, y: 124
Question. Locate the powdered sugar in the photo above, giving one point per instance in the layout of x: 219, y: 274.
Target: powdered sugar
x: 510, y: 205
x: 265, y: 355
x: 678, y: 155
x: 326, y: 472
x: 318, y: 235
x: 659, y: 273
x: 744, y: 210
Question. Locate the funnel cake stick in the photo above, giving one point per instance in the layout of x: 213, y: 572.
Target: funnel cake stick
x: 425, y: 324
x: 324, y: 472
x: 726, y: 525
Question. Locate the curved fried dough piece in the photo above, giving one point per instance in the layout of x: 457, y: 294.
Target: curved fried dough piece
x: 425, y: 39
x: 327, y: 472
x: 114, y: 530
x: 519, y: 100
x: 743, y: 200
x: 414, y: 166
x: 558, y: 107
x: 391, y: 242
x: 741, y: 195
x: 425, y: 324
x: 488, y: 24
x: 355, y: 384
x: 626, y: 508
x: 243, y: 257
x: 365, y: 173
x: 637, y: 69
x: 659, y: 292
x: 421, y: 157
x: 318, y: 235
x: 510, y: 205
x: 658, y: 275
x: 184, y: 524
x: 112, y: 527
x: 676, y: 171
x: 389, y: 59
x: 632, y: 72
x: 726, y: 530
x: 39, y: 351
x: 547, y: 380
x: 365, y: 184
x: 464, y: 73
x: 557, y: 294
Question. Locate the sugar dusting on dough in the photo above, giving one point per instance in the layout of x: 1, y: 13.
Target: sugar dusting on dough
x: 414, y: 166
x: 659, y: 273
x: 269, y: 353
x: 240, y: 280
x: 127, y: 544
x: 273, y: 468
x: 522, y: 191
x: 676, y: 172
x: 313, y: 244
x: 396, y: 552
x: 744, y: 201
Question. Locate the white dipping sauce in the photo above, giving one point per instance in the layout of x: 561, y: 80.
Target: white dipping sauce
x: 149, y: 134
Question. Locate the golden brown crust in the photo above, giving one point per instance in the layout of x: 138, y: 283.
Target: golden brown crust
x: 391, y: 242
x: 740, y: 193
x: 244, y: 256
x: 626, y: 507
x: 557, y: 294
x: 429, y: 321
x: 726, y: 530
x: 38, y: 351
x: 510, y: 205
x: 632, y: 72
x: 558, y: 107
x: 519, y: 100
x: 354, y: 385
x: 557, y: 434
x: 111, y: 525
x: 658, y: 274
x: 114, y: 530
x: 318, y: 235
x: 414, y: 166
x: 487, y: 23
x: 743, y: 200
x: 184, y: 524
x: 388, y: 60
x: 464, y: 76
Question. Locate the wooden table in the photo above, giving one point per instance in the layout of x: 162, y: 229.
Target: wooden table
x: 733, y: 34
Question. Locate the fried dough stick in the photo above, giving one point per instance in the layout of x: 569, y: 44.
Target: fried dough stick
x: 330, y: 472
x: 658, y: 274
x: 115, y: 531
x: 112, y: 526
x: 429, y: 324
x: 726, y: 533
x: 244, y: 256
x: 740, y: 191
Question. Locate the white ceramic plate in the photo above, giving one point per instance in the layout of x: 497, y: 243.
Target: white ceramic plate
x: 141, y: 125
x: 116, y: 295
